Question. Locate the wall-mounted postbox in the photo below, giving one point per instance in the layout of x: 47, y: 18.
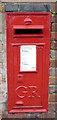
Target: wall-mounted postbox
x: 28, y: 47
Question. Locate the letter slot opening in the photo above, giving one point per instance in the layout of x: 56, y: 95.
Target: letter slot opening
x: 28, y: 31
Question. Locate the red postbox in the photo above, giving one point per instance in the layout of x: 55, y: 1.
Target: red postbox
x: 28, y: 49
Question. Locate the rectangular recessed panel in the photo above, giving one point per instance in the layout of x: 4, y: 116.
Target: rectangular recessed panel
x: 28, y: 85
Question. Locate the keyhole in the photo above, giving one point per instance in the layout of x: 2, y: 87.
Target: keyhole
x: 19, y: 76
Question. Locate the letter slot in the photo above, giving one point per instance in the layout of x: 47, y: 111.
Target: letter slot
x: 28, y: 30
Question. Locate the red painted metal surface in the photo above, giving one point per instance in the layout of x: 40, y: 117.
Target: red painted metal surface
x: 28, y: 90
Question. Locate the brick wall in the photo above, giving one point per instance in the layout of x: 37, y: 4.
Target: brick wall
x: 53, y: 70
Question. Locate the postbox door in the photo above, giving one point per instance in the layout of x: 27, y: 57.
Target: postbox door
x: 28, y: 87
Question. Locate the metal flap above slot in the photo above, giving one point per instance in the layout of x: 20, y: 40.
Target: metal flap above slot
x: 32, y: 30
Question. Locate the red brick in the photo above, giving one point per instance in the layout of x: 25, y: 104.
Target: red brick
x: 53, y: 63
x: 52, y: 19
x: 53, y: 35
x: 54, y: 27
x: 56, y: 18
x: 52, y: 97
x: 52, y: 80
x: 53, y: 45
x: 52, y: 6
x: 52, y: 89
x: 56, y: 6
x: 51, y: 106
